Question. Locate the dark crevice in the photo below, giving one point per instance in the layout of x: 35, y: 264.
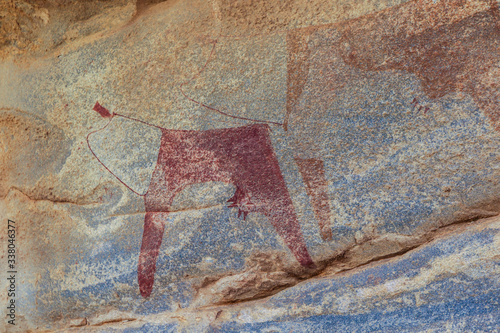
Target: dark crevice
x: 51, y: 199
x: 113, y: 321
x: 142, y: 6
x: 323, y: 266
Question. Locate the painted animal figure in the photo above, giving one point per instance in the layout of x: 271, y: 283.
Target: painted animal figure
x: 242, y: 156
x: 448, y: 45
x: 332, y: 69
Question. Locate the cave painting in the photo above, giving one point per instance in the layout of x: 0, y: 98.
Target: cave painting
x: 454, y: 49
x: 242, y: 156
x: 449, y: 45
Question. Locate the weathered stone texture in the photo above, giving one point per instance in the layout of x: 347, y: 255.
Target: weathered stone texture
x: 356, y: 144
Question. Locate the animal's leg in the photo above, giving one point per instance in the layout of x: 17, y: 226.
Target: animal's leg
x: 312, y: 170
x: 313, y: 175
x: 262, y: 188
x: 297, y: 68
x: 281, y: 213
x: 285, y: 222
x: 154, y: 226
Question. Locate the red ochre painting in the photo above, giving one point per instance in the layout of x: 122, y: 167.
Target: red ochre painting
x: 242, y: 156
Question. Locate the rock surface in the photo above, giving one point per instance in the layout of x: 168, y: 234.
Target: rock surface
x: 251, y: 166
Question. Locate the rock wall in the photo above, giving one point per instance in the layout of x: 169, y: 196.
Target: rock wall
x: 250, y: 166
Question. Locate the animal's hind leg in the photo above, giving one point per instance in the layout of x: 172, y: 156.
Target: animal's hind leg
x: 285, y: 221
x: 313, y: 175
x: 302, y: 123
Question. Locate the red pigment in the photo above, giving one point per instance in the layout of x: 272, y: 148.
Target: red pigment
x: 242, y: 156
x: 101, y: 110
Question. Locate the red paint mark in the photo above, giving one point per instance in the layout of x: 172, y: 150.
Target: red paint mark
x: 313, y: 175
x: 242, y: 156
x: 297, y: 69
x: 243, y: 201
x: 456, y: 52
x: 102, y: 110
x: 421, y: 107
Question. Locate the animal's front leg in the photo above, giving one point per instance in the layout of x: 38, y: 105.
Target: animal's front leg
x: 154, y: 226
